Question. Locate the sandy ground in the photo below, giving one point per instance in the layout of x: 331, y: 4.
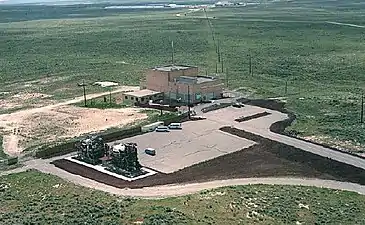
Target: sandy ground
x: 29, y: 127
x: 18, y: 100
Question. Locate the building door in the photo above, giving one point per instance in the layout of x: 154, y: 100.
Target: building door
x: 198, y: 96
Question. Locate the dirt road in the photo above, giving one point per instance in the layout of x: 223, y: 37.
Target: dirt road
x: 181, y: 189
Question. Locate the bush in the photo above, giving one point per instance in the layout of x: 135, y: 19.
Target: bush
x: 12, y: 161
x: 56, y: 150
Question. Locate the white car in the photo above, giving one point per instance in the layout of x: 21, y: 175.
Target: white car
x: 162, y: 129
x: 175, y: 126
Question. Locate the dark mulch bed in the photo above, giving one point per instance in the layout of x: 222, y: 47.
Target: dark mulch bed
x: 266, y: 159
x: 254, y: 116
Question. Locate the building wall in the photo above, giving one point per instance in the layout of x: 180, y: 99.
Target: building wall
x: 164, y: 81
x: 192, y: 71
x: 159, y: 80
x: 198, y: 92
x: 145, y: 99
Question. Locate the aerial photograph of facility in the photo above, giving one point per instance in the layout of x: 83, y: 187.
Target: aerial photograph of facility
x: 162, y: 112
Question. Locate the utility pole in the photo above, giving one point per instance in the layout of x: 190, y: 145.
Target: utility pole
x: 286, y: 86
x: 227, y: 80
x: 222, y: 64
x: 250, y: 64
x: 83, y: 86
x: 172, y: 52
x: 362, y: 108
x: 170, y: 96
x: 216, y: 68
x: 189, y: 101
x: 218, y: 51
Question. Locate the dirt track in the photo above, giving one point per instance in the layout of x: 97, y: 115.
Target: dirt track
x: 183, y: 189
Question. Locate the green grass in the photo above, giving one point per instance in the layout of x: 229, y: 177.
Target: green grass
x: 322, y: 62
x: 36, y: 198
x: 2, y: 153
x: 101, y: 103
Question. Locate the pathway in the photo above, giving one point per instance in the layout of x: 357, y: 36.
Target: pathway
x: 181, y: 189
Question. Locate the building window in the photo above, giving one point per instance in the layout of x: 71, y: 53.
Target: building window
x: 142, y: 99
x: 132, y: 98
x: 150, y: 97
x: 126, y: 97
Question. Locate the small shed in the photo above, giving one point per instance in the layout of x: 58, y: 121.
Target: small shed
x: 142, y: 96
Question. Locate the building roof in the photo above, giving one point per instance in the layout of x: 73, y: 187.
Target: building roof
x: 172, y: 68
x: 201, y: 79
x: 142, y: 93
x: 194, y: 79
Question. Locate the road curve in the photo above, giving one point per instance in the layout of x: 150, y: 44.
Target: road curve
x: 182, y: 189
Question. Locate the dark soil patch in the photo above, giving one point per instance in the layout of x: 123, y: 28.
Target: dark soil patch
x: 254, y: 116
x: 216, y: 107
x: 338, y: 170
x: 266, y: 159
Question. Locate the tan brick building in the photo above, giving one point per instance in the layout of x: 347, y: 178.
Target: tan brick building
x: 179, y: 82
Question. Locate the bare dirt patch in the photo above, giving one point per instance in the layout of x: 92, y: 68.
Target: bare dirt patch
x: 24, y: 99
x: 339, y: 144
x: 69, y: 121
x: 35, y: 126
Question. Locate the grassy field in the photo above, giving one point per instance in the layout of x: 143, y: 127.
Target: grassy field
x: 36, y: 198
x: 2, y: 153
x: 294, y: 42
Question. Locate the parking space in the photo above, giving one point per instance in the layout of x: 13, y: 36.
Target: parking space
x: 198, y: 141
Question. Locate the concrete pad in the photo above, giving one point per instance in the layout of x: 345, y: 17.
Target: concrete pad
x: 197, y: 142
x: 103, y: 170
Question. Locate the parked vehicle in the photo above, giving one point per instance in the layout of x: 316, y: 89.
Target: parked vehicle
x: 238, y: 105
x: 162, y: 129
x: 152, y: 126
x: 175, y: 126
x: 150, y: 151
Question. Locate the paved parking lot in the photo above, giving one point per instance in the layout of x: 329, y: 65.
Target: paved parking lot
x: 198, y: 141
x: 226, y: 116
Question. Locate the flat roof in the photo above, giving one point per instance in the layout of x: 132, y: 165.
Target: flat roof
x: 201, y: 79
x: 195, y: 79
x: 173, y: 67
x: 142, y: 93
